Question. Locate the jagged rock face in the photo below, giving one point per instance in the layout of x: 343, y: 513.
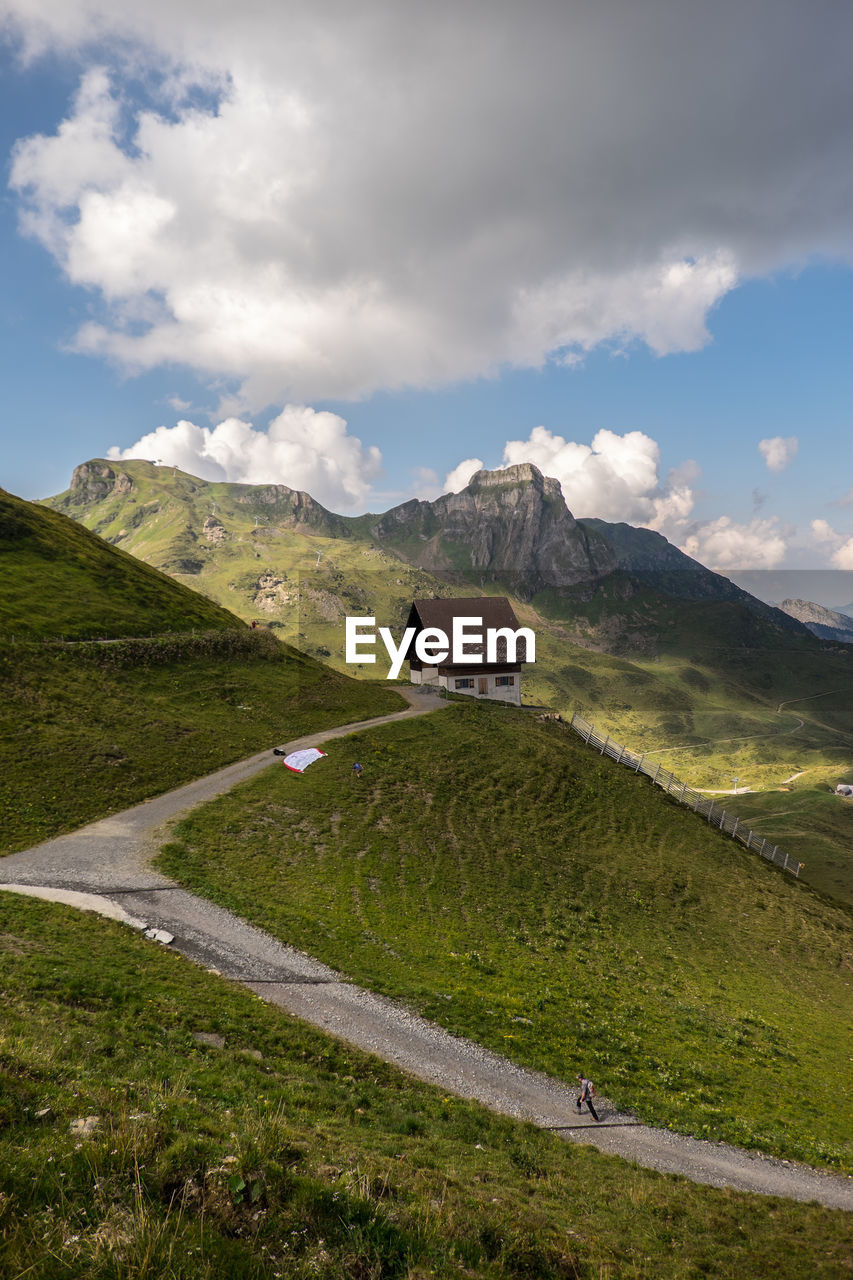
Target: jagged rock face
x: 822, y: 622
x: 214, y: 530
x: 291, y: 507
x: 512, y: 523
x: 93, y: 481
x: 273, y: 593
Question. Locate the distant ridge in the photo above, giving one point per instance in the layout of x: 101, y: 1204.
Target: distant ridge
x: 510, y: 528
x: 828, y: 624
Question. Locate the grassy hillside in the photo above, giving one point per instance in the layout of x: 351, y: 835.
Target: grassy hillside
x: 180, y: 688
x: 58, y: 579
x: 88, y: 729
x: 518, y: 888
x: 298, y: 571
x: 807, y: 814
x: 282, y: 1153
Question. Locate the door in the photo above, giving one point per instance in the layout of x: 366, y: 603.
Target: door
x: 483, y: 683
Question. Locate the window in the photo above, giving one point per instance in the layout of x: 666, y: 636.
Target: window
x: 464, y: 684
x: 505, y: 681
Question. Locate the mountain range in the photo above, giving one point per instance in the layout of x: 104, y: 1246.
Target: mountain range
x: 508, y: 529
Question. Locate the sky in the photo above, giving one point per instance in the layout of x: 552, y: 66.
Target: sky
x: 364, y: 250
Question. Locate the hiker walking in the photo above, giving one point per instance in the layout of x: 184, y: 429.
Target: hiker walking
x: 586, y: 1095
x: 357, y: 771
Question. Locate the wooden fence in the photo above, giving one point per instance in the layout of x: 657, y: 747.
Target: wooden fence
x: 704, y: 805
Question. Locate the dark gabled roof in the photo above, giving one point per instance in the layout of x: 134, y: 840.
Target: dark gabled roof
x: 495, y: 611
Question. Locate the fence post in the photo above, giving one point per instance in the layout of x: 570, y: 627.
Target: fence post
x: 604, y: 744
x: 683, y: 789
x: 639, y: 762
x: 711, y: 810
x: 621, y: 754
x: 734, y: 828
x: 763, y: 843
x: 722, y: 820
x: 589, y: 733
x: 657, y: 771
x: 698, y: 801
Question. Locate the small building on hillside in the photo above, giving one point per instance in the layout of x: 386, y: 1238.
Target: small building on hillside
x: 499, y: 679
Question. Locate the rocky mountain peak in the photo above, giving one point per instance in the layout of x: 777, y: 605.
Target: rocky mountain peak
x: 519, y: 474
x: 95, y: 480
x: 825, y: 623
x: 512, y: 523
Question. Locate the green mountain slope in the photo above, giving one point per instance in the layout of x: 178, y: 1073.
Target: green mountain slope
x: 87, y: 728
x: 506, y: 880
x: 284, y: 1153
x: 267, y: 552
x: 56, y: 579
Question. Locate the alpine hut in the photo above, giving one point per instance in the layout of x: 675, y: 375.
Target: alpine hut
x: 500, y: 679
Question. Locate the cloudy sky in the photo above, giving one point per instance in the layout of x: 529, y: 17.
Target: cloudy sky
x: 366, y: 249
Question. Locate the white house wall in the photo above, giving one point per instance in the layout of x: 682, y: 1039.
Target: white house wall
x: 494, y: 692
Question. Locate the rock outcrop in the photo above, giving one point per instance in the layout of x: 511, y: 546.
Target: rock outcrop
x: 289, y: 508
x: 512, y: 526
x: 822, y: 622
x: 96, y: 480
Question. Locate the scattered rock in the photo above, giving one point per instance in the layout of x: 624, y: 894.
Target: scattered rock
x: 84, y: 1126
x: 46, y: 1113
x: 210, y: 1038
x: 160, y: 935
x: 254, y: 1054
x: 526, y: 1021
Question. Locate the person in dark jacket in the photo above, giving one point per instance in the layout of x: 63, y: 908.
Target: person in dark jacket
x: 587, y: 1094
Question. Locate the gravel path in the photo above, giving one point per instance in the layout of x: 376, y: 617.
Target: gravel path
x: 105, y: 867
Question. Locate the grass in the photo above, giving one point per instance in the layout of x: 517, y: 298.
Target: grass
x: 808, y: 815
x: 509, y: 883
x: 283, y: 1153
x: 58, y: 579
x: 708, y: 731
x: 86, y: 730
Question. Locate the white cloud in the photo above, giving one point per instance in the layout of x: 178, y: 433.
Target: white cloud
x: 842, y: 558
x: 779, y: 451
x: 824, y: 532
x: 722, y: 544
x: 371, y: 195
x: 664, y: 304
x: 461, y: 474
x: 839, y: 545
x: 301, y: 448
x: 613, y: 478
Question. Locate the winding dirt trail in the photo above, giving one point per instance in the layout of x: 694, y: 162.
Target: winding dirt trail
x: 106, y: 867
